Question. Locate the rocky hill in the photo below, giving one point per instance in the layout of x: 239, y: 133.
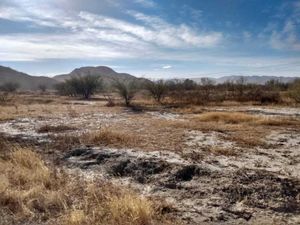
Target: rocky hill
x: 107, y: 75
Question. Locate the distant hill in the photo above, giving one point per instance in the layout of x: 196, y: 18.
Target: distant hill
x: 25, y: 81
x: 249, y: 79
x: 107, y: 75
x: 28, y: 82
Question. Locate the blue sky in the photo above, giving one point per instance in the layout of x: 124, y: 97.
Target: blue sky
x: 152, y: 38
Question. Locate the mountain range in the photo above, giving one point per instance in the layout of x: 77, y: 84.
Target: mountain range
x: 248, y: 79
x: 108, y: 75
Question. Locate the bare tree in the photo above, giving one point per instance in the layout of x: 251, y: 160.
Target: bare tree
x: 206, y: 87
x: 157, y: 89
x: 241, y: 85
x: 126, y: 90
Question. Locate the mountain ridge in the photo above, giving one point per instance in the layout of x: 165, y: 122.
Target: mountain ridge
x: 108, y: 75
x: 253, y: 79
x: 26, y: 81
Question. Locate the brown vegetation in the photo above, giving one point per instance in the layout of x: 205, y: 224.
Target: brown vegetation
x: 33, y: 192
x: 107, y: 136
x: 237, y: 118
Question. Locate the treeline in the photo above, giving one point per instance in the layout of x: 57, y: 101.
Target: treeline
x: 185, y: 91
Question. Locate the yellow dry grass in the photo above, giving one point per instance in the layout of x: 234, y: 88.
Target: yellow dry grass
x: 31, y: 192
x: 240, y: 118
x: 226, y: 117
x: 110, y: 137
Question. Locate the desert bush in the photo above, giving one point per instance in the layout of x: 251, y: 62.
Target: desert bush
x: 126, y: 90
x: 294, y: 91
x: 276, y: 85
x: 84, y: 86
x: 270, y: 97
x: 10, y: 87
x: 42, y: 88
x: 4, y: 98
x: 65, y: 89
x: 157, y: 89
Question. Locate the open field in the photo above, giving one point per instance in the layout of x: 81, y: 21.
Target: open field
x: 66, y: 161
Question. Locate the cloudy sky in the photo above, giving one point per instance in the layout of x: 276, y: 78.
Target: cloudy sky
x: 152, y: 38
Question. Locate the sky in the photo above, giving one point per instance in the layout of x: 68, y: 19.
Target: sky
x: 152, y: 38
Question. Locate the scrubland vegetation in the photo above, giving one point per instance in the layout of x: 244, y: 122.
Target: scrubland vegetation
x: 157, y: 152
x: 187, y: 91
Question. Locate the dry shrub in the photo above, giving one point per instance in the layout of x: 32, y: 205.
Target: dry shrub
x: 107, y: 136
x: 58, y: 128
x: 226, y: 117
x: 33, y: 193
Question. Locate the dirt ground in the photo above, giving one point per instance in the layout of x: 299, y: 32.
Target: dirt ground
x: 208, y: 171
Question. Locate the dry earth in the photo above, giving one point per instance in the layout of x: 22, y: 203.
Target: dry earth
x: 241, y: 171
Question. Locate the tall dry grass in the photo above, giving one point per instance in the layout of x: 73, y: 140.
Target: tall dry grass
x: 111, y: 137
x: 238, y: 117
x: 32, y: 192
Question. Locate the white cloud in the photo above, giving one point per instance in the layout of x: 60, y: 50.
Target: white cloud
x: 177, y: 36
x: 95, y: 36
x: 286, y: 38
x: 146, y: 3
x: 167, y: 67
